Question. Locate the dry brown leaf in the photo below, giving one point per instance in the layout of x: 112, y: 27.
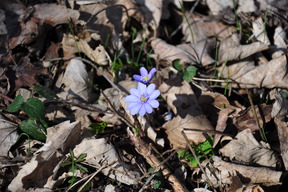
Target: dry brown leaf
x: 217, y: 6
x: 259, y: 31
x: 174, y: 128
x: 8, y: 136
x: 245, y: 148
x: 73, y: 44
x: 203, y: 28
x: 230, y: 49
x: 280, y: 108
x: 99, y: 153
x: 182, y: 101
x: 226, y: 171
x: 74, y: 81
x: 186, y: 53
x: 269, y: 75
x: 247, y: 120
x: 221, y: 125
x: 35, y: 173
x: 152, y: 13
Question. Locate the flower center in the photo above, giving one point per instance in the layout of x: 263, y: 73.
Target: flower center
x: 143, y: 98
x: 146, y: 78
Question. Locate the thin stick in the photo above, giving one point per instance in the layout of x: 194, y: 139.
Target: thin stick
x: 208, y: 131
x: 100, y: 169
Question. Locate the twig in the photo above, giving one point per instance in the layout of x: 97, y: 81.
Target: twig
x: 208, y: 131
x: 93, y: 175
x: 83, y: 106
x: 196, y: 158
x: 149, y: 179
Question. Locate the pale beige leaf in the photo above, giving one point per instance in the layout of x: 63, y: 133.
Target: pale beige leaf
x: 75, y: 81
x: 186, y: 53
x: 226, y: 171
x: 259, y: 31
x: 269, y: 75
x: 216, y: 6
x: 174, y: 128
x: 99, y: 153
x: 246, y: 6
x: 245, y: 148
x: 182, y: 101
x: 44, y: 163
x: 8, y: 136
x: 72, y: 44
x: 230, y: 49
x: 279, y: 41
x: 152, y: 10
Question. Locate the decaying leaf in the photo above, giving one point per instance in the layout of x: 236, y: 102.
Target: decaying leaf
x: 280, y: 108
x: 248, y: 121
x: 245, y: 148
x: 8, y: 136
x: 35, y: 173
x: 223, y: 172
x: 174, y: 128
x: 182, y: 101
x: 74, y: 81
x: 230, y: 49
x: 72, y: 44
x: 186, y: 53
x: 100, y: 153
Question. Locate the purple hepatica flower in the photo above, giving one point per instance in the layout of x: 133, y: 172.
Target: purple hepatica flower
x: 145, y: 77
x: 142, y: 99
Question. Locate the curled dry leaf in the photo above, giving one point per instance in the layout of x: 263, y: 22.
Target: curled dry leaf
x: 8, y: 136
x: 100, y: 153
x: 73, y: 44
x: 245, y: 148
x: 152, y: 10
x: 226, y: 171
x: 182, y: 101
x: 247, y: 74
x: 230, y: 49
x: 280, y: 108
x: 74, y: 81
x: 248, y: 121
x: 186, y: 53
x: 202, y: 29
x: 44, y: 163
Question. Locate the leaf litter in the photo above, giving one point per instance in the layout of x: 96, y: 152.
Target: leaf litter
x: 66, y: 69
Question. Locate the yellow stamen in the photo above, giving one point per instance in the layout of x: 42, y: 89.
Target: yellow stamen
x: 143, y: 99
x: 146, y: 78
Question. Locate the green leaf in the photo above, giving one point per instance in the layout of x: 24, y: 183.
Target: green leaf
x: 81, y: 167
x: 45, y: 92
x: 34, y: 108
x: 81, y: 157
x: 99, y: 127
x: 189, y: 73
x: 30, y: 127
x: 16, y: 104
x: 177, y: 65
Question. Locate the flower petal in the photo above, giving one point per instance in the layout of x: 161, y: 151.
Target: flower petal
x: 142, y: 111
x: 135, y: 92
x: 148, y: 108
x: 153, y: 103
x: 131, y: 106
x: 150, y: 88
x: 142, y: 88
x: 137, y: 78
x: 154, y: 94
x: 131, y: 99
x: 136, y: 109
x: 152, y: 72
x: 143, y: 71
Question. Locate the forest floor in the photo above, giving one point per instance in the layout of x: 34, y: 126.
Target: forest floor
x: 131, y: 95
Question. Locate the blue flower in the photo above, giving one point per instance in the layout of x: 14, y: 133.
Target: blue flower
x: 145, y: 77
x: 142, y: 99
